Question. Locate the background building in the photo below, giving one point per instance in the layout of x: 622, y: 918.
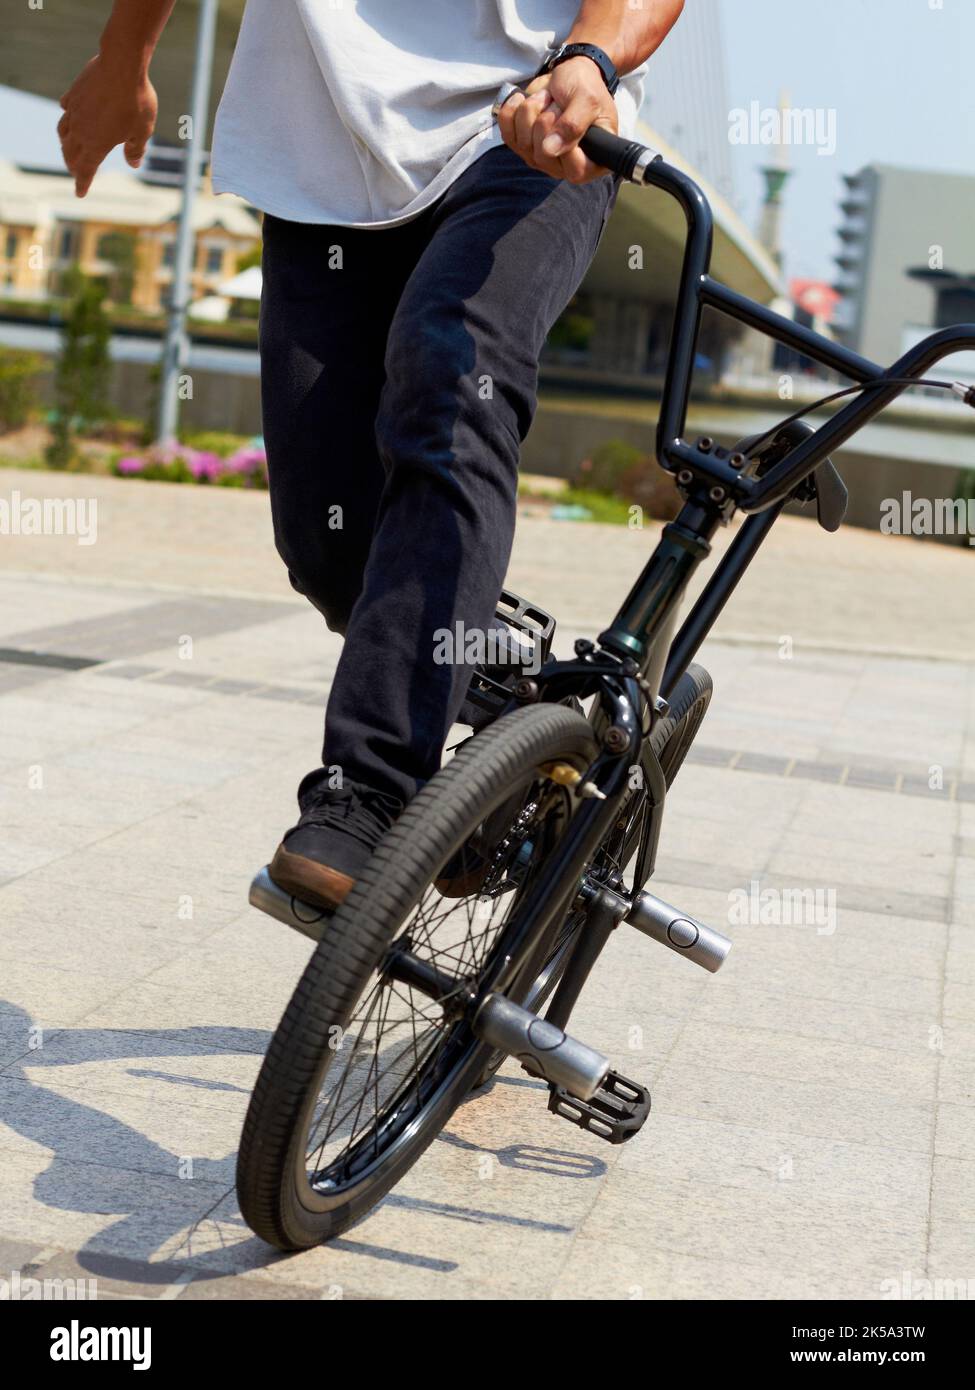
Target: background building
x: 687, y: 95
x: 123, y: 234
x: 899, y: 226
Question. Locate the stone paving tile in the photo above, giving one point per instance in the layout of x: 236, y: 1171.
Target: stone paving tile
x: 789, y: 1057
x: 20, y: 677
x: 93, y: 1207
x: 760, y: 762
x: 904, y: 1028
x: 806, y: 1237
x: 285, y: 694
x: 810, y: 1090
x: 128, y: 633
x: 951, y: 1256
x: 636, y: 1274
x: 815, y: 1172
x: 129, y: 672
x: 190, y: 1142
x: 170, y: 1013
x: 955, y: 1134
x: 119, y: 1072
x: 814, y: 1107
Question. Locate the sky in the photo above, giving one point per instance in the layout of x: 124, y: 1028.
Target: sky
x: 897, y: 74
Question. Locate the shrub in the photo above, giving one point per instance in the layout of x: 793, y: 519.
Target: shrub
x: 178, y: 463
x: 19, y: 373
x: 652, y: 488
x: 220, y: 442
x: 623, y: 471
x: 607, y: 465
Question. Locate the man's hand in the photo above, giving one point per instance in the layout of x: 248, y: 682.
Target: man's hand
x: 111, y: 102
x: 546, y: 122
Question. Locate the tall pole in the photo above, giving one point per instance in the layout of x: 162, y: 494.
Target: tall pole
x: 176, y: 343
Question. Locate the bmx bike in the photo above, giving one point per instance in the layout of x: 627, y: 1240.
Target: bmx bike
x: 493, y: 895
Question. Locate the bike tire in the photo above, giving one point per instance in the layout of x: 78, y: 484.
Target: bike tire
x: 276, y: 1196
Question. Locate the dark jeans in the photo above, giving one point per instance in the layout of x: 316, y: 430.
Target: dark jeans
x: 399, y: 374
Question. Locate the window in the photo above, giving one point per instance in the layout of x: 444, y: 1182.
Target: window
x: 11, y: 252
x: 214, y: 260
x: 67, y: 242
x: 169, y: 255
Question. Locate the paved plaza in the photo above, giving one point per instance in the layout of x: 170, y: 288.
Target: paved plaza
x: 161, y: 693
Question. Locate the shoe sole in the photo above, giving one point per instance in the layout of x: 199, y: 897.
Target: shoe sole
x: 311, y: 882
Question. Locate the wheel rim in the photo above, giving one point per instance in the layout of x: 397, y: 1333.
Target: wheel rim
x: 402, y: 1053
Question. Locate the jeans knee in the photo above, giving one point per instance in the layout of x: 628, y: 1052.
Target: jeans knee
x: 329, y: 587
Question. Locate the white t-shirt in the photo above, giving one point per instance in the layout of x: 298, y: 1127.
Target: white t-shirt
x: 362, y: 112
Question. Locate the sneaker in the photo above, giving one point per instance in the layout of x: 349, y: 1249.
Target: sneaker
x: 320, y: 858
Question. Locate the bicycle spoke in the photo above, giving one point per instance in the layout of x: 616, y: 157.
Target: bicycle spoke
x: 399, y: 1038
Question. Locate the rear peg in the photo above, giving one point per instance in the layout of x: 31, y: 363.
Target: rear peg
x: 541, y: 1047
x: 685, y: 935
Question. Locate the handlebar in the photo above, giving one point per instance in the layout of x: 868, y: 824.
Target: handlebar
x: 697, y: 289
x: 626, y: 158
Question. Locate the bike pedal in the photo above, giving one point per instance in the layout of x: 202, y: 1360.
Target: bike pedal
x: 490, y: 687
x: 616, y: 1112
x: 530, y: 620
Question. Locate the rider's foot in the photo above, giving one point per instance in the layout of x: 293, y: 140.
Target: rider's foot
x: 320, y: 858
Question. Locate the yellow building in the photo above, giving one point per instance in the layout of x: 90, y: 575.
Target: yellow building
x: 123, y: 233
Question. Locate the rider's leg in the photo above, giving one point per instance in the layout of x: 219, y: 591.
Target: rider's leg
x: 508, y: 247
x: 330, y: 294
x: 505, y: 249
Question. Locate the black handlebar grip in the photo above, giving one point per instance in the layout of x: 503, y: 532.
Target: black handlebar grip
x: 627, y: 158
x: 612, y: 152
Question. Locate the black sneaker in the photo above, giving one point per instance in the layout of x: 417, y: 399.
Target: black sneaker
x: 321, y: 857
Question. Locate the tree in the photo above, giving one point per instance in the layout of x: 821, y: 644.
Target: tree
x: 83, y: 368
x: 119, y: 250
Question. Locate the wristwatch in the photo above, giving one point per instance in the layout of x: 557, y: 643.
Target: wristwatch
x: 603, y: 61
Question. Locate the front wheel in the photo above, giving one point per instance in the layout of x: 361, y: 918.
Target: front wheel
x: 368, y: 1061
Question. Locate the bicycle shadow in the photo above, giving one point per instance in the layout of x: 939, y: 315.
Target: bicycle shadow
x: 103, y: 1165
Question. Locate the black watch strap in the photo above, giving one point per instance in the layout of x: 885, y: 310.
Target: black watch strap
x: 599, y: 56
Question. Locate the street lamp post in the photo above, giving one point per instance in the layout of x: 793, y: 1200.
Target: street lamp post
x: 176, y: 343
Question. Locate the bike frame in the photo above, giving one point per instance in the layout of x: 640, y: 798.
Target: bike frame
x: 714, y: 486
x: 638, y: 659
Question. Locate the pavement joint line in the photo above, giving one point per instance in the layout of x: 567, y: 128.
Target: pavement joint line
x: 864, y: 778
x: 256, y: 689
x: 797, y: 769
x: 36, y: 1262
x: 938, y: 1056
x: 21, y: 656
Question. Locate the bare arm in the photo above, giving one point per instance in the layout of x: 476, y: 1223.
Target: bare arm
x: 112, y: 102
x: 629, y: 33
x: 546, y: 125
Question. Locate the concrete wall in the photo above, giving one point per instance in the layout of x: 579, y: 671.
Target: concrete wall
x: 911, y: 212
x: 560, y: 439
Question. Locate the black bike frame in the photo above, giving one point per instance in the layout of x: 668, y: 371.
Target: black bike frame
x: 638, y: 656
x: 711, y: 483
